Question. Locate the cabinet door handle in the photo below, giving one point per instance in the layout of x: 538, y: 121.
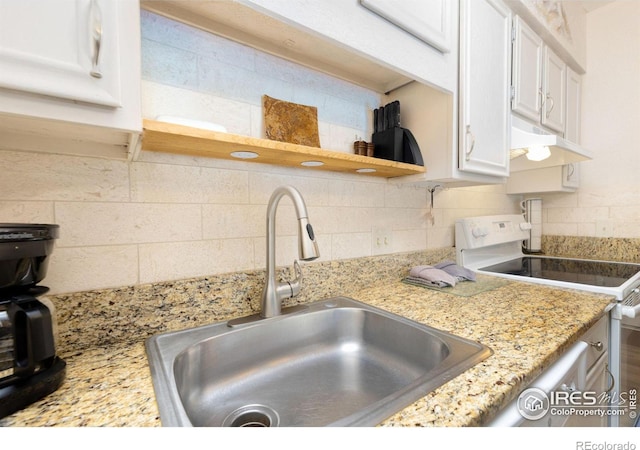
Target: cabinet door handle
x: 541, y: 96
x: 548, y: 111
x: 473, y: 143
x: 95, y: 26
x: 613, y: 380
x: 570, y: 171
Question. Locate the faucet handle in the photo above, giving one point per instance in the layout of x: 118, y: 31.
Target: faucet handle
x: 296, y: 284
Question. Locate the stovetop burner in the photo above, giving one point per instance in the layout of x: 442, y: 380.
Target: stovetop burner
x: 588, y: 272
x: 493, y: 245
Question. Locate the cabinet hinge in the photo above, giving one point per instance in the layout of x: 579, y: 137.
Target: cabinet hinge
x: 513, y: 32
x: 513, y: 92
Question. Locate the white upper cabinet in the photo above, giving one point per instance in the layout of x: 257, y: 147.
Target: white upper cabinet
x: 70, y: 73
x: 60, y: 55
x: 573, y: 106
x: 428, y: 20
x: 380, y: 50
x: 554, y: 82
x: 485, y: 62
x: 527, y: 71
x: 564, y: 178
x: 540, y: 81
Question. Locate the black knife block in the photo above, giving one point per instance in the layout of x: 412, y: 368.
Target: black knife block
x: 388, y: 144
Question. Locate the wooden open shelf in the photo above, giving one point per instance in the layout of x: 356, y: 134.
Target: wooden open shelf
x: 172, y: 138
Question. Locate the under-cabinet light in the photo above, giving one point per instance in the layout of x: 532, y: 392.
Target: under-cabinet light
x: 366, y: 170
x: 244, y: 155
x: 312, y: 163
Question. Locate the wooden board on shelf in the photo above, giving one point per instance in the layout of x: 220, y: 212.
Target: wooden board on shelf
x: 172, y: 138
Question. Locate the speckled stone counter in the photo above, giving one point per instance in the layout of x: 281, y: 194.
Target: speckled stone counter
x: 589, y: 247
x: 108, y: 381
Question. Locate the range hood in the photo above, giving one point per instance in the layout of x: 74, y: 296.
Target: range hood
x: 527, y: 138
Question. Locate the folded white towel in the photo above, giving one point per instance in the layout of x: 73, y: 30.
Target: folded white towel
x: 436, y: 276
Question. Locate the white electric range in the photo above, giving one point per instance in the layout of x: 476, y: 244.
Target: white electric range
x: 493, y: 245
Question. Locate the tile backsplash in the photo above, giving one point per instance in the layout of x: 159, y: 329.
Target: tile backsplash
x: 168, y: 217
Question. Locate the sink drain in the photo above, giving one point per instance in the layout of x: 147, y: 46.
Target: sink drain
x: 252, y: 416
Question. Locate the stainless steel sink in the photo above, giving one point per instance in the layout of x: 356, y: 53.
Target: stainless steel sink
x: 338, y: 362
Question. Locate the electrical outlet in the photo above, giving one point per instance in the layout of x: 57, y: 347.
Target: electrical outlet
x: 604, y: 228
x: 381, y: 241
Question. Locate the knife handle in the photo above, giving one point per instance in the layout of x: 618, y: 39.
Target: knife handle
x: 381, y: 119
x: 375, y: 120
x: 387, y: 117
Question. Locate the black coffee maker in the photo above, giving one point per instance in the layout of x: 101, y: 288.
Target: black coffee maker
x: 29, y: 367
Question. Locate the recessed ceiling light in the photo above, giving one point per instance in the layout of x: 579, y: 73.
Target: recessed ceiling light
x: 366, y: 170
x: 312, y: 163
x: 245, y: 155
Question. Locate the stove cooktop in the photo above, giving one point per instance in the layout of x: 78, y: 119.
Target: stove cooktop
x: 587, y: 272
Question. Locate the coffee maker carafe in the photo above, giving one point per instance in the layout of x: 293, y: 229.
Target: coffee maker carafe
x: 29, y: 366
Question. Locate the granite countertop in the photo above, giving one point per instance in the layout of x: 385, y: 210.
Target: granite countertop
x: 527, y: 326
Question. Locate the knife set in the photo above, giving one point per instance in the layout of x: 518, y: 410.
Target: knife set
x: 390, y: 140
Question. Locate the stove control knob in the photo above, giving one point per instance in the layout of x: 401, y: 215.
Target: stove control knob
x: 479, y: 232
x: 525, y: 226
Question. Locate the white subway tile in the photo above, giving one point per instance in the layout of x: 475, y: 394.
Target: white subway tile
x: 629, y: 213
x: 287, y: 250
x: 402, y: 196
x: 159, y: 99
x: 563, y: 200
x: 342, y: 219
x: 409, y: 240
x: 179, y: 260
x: 185, y: 37
x: 440, y: 237
x: 584, y: 229
x: 169, y: 65
x: 313, y: 190
x: 87, y: 224
x: 350, y: 245
x: 37, y: 176
x: 357, y: 194
x: 560, y: 229
x: 187, y: 184
x: 87, y: 268
x: 340, y: 138
x: 235, y: 221
x: 26, y: 212
x: 563, y: 215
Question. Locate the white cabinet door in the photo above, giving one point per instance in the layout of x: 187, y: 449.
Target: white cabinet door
x: 70, y: 75
x: 571, y: 176
x: 64, y: 49
x: 428, y: 20
x: 527, y: 71
x: 597, y: 381
x: 553, y: 88
x: 574, y: 94
x: 485, y: 66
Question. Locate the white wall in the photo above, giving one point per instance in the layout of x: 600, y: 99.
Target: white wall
x: 608, y: 201
x: 169, y: 217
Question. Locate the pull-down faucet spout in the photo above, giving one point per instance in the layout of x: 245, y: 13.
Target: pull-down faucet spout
x: 274, y: 292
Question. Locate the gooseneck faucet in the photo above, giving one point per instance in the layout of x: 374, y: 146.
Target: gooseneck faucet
x: 274, y: 291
